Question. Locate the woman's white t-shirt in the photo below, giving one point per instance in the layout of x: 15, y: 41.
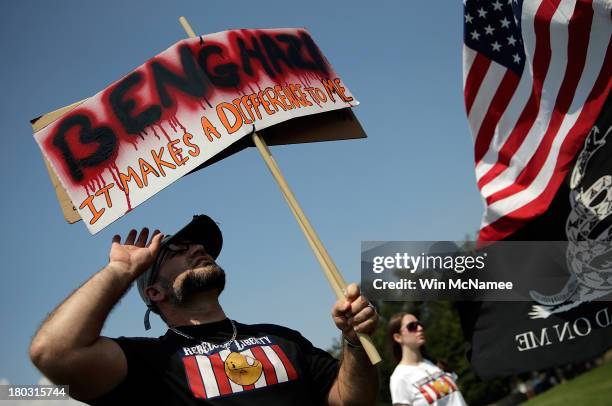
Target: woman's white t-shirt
x: 423, y: 385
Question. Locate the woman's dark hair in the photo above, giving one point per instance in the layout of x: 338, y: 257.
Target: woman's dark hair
x: 394, y: 326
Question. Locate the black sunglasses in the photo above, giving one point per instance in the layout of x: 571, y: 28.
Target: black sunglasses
x: 179, y: 247
x: 414, y: 326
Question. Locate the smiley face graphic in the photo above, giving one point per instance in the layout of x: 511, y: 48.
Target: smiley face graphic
x: 242, y: 369
x: 441, y: 387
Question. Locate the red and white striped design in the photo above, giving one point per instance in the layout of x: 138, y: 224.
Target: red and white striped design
x: 431, y: 394
x: 428, y: 393
x: 207, y: 378
x: 529, y: 128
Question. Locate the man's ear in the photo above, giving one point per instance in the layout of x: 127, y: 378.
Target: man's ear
x: 155, y: 293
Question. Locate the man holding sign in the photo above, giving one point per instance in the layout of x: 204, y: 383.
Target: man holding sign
x: 204, y: 357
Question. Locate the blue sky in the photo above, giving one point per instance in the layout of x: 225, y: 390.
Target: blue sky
x: 411, y: 179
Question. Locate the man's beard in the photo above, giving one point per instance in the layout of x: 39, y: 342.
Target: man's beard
x: 196, y: 281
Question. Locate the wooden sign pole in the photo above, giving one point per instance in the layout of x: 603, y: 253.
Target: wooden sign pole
x: 329, y: 267
x: 334, y: 277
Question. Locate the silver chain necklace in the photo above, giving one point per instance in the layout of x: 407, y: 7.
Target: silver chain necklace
x: 224, y: 345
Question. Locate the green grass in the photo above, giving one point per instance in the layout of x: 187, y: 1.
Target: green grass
x: 593, y: 388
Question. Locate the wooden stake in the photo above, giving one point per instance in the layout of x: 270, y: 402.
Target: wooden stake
x: 187, y: 27
x: 330, y: 270
x: 333, y: 278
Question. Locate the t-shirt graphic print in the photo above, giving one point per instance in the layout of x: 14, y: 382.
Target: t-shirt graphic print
x: 225, y: 371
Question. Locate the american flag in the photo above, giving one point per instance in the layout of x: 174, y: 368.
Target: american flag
x: 536, y: 74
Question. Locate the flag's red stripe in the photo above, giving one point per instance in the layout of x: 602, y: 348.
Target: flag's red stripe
x: 218, y: 367
x: 248, y: 387
x: 579, y: 30
x: 498, y: 105
x: 193, y: 377
x: 541, y: 61
x: 511, y: 222
x: 449, y: 381
x: 291, y: 374
x: 426, y: 394
x: 268, y: 368
x: 431, y: 386
x: 478, y: 70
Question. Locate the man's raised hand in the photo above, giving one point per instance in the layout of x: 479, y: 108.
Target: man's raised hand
x: 135, y: 255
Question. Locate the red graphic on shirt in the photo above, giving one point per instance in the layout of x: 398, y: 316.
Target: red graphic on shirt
x: 437, y: 388
x: 228, y: 372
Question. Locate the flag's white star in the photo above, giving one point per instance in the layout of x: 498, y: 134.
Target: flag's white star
x: 468, y: 19
x: 516, y: 58
x: 505, y: 23
x: 509, y: 2
x: 475, y: 35
x: 496, y: 46
x: 481, y: 12
x: 497, y: 5
x: 511, y: 40
x: 489, y: 30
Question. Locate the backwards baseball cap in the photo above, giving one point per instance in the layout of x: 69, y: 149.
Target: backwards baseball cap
x: 201, y: 230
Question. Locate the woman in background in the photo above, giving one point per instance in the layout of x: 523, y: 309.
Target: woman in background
x: 416, y: 381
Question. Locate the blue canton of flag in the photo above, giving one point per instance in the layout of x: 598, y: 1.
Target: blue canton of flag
x: 493, y: 29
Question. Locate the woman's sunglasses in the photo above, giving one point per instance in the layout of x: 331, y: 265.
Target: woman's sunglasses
x: 414, y: 326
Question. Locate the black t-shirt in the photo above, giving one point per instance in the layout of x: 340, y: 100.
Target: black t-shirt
x: 265, y: 365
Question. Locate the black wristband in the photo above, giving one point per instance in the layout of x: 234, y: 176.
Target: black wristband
x: 351, y: 344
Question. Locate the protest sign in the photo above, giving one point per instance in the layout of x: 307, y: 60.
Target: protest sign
x: 190, y: 103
